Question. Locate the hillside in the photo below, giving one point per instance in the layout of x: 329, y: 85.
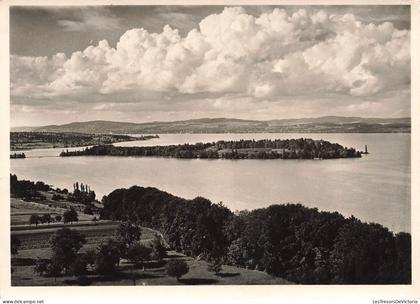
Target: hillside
x: 327, y: 124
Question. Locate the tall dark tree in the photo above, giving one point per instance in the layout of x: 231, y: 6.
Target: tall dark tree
x: 107, y: 258
x: 127, y: 234
x: 34, y: 219
x: 65, y: 244
x: 15, y: 244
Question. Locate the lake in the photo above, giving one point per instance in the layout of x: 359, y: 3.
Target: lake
x: 374, y: 188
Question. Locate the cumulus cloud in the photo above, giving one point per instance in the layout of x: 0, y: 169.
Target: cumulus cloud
x: 264, y: 57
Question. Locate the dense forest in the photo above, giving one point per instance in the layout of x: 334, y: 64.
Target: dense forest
x: 303, y: 148
x: 300, y: 244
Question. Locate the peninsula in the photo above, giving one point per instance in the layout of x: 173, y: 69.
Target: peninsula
x: 44, y: 140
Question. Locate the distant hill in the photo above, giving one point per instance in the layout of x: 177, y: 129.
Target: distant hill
x: 326, y: 124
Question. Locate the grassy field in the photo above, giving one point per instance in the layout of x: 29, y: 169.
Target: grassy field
x: 154, y: 273
x: 21, y: 211
x: 35, y: 244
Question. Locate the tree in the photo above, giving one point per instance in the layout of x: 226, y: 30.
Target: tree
x: 127, y: 234
x: 177, y: 268
x: 79, y: 266
x: 46, y: 218
x: 138, y: 253
x: 70, y: 216
x: 34, y: 219
x: 58, y: 218
x: 88, y: 210
x: 108, y: 257
x: 158, y: 249
x: 41, y: 266
x: 65, y: 244
x: 90, y: 256
x: 14, y: 244
x: 47, y: 268
x: 57, y: 197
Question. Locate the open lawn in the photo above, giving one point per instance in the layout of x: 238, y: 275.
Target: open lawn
x: 35, y: 244
x: 21, y: 211
x: 154, y: 273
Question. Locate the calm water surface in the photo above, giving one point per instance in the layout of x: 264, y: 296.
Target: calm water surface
x: 374, y: 188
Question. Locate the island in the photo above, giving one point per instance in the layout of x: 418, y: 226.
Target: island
x: 42, y: 140
x: 17, y: 155
x: 302, y: 148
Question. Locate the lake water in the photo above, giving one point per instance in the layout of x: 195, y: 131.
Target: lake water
x: 375, y: 188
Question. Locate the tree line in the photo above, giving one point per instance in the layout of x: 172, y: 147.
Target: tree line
x: 26, y: 189
x: 291, y: 241
x: 303, y: 148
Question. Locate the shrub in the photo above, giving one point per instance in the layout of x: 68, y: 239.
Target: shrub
x: 65, y: 244
x: 34, y: 219
x: 41, y: 266
x: 158, y: 249
x: 79, y: 266
x: 70, y: 216
x: 215, y: 266
x: 90, y: 256
x: 88, y: 210
x: 177, y: 268
x: 14, y: 244
x: 83, y: 280
x: 107, y: 258
x: 138, y: 253
x: 46, y: 218
x: 54, y: 269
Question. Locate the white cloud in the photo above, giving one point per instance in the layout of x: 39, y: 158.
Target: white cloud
x: 266, y: 57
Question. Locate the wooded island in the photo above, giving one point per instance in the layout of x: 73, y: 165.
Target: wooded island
x: 302, y: 148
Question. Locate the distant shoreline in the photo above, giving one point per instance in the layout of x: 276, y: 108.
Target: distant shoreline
x: 23, y: 141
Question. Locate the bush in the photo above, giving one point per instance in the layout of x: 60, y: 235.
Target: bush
x: 70, y: 216
x: 138, y: 253
x: 107, y: 258
x: 47, y: 268
x: 88, y: 210
x: 90, y: 256
x: 41, y: 266
x: 46, y: 218
x: 65, y: 244
x: 57, y: 197
x: 177, y: 268
x: 34, y: 219
x: 79, y: 266
x: 215, y: 266
x: 83, y: 280
x: 54, y: 269
x: 158, y: 249
x: 14, y: 244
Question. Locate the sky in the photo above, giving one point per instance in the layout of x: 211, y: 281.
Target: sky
x: 166, y: 63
